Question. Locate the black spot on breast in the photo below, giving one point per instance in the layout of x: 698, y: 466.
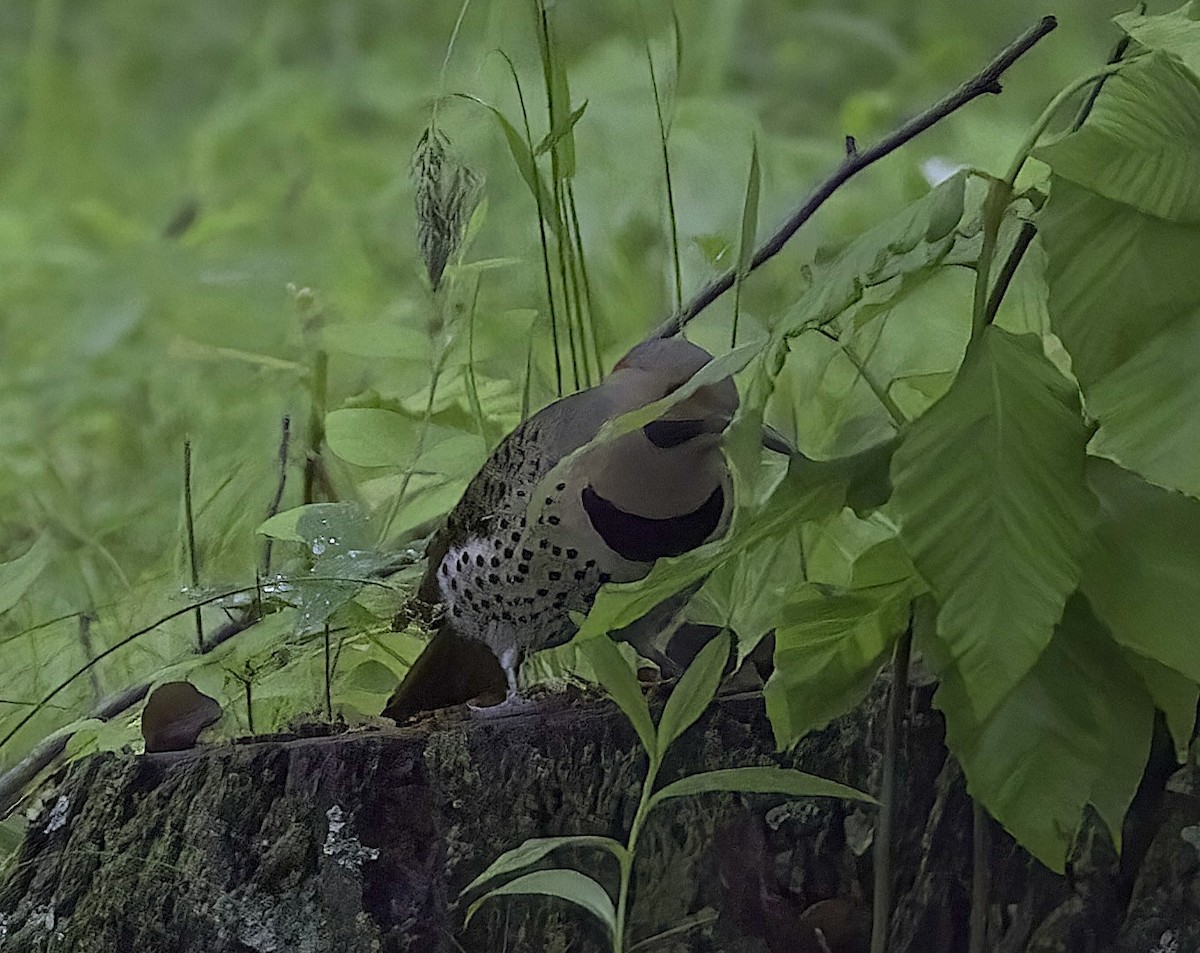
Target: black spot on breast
x: 495, y: 561
x: 553, y: 520
x: 554, y: 575
x: 572, y: 553
x: 527, y: 554
x: 642, y: 539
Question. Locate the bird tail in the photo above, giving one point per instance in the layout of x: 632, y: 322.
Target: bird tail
x: 449, y: 671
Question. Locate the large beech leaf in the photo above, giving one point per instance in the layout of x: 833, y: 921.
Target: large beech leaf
x: 1141, y: 142
x: 1117, y: 276
x: 1177, y: 33
x: 828, y: 650
x: 1075, y: 731
x: 1143, y: 576
x: 992, y: 508
x: 1147, y: 409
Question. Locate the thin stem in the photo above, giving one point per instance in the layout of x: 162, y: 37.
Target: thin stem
x: 1001, y: 191
x: 446, y: 61
x: 881, y: 907
x: 1004, y: 279
x: 541, y: 217
x: 981, y: 877
x: 583, y: 272
x: 666, y: 160
x: 1117, y: 54
x: 328, y: 677
x: 190, y: 523
x: 987, y: 81
x: 247, y: 685
x: 635, y: 829
x: 285, y: 440
x: 316, y: 422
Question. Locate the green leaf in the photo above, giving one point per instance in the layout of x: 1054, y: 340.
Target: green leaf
x: 620, y: 681
x: 1075, y: 731
x: 376, y: 437
x: 17, y: 575
x: 377, y: 339
x: 371, y: 676
x: 569, y: 885
x: 758, y: 780
x: 1141, y: 142
x: 1174, y: 695
x: 1177, y: 32
x: 828, y: 650
x: 694, y: 692
x: 324, y: 527
x: 1147, y: 409
x: 1143, y: 576
x: 1117, y: 277
x: 992, y: 506
x: 535, y: 849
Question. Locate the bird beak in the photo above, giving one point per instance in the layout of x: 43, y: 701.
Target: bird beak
x: 773, y: 440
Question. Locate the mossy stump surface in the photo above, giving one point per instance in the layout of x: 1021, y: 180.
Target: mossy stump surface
x: 362, y: 840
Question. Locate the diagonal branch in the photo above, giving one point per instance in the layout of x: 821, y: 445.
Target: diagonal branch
x: 987, y: 81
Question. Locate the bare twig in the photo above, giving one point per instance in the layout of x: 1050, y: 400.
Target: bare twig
x: 987, y: 81
x: 285, y: 440
x: 190, y: 522
x: 328, y: 677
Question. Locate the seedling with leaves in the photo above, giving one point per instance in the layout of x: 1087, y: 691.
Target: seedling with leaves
x: 692, y: 695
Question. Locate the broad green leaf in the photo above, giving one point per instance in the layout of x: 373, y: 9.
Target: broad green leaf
x: 828, y: 650
x: 17, y: 575
x: 992, y: 507
x: 535, y: 849
x: 323, y: 527
x: 694, y: 692
x: 1143, y: 576
x: 1141, y: 142
x: 758, y: 780
x: 1116, y: 275
x: 1177, y: 32
x: 569, y: 885
x: 1174, y: 695
x: 376, y: 437
x: 371, y: 676
x: 1147, y: 409
x: 917, y: 329
x: 377, y: 339
x: 620, y: 681
x: 1076, y: 730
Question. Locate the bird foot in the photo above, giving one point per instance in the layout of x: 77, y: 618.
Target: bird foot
x: 513, y: 704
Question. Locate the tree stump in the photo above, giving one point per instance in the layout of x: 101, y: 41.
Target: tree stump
x: 336, y: 840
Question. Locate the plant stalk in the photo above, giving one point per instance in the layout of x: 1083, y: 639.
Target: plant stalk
x: 881, y: 906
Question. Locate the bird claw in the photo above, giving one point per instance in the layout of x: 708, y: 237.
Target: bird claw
x: 513, y: 704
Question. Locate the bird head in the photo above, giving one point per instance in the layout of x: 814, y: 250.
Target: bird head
x: 656, y: 368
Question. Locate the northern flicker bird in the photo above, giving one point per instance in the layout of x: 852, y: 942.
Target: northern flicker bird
x: 510, y: 568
